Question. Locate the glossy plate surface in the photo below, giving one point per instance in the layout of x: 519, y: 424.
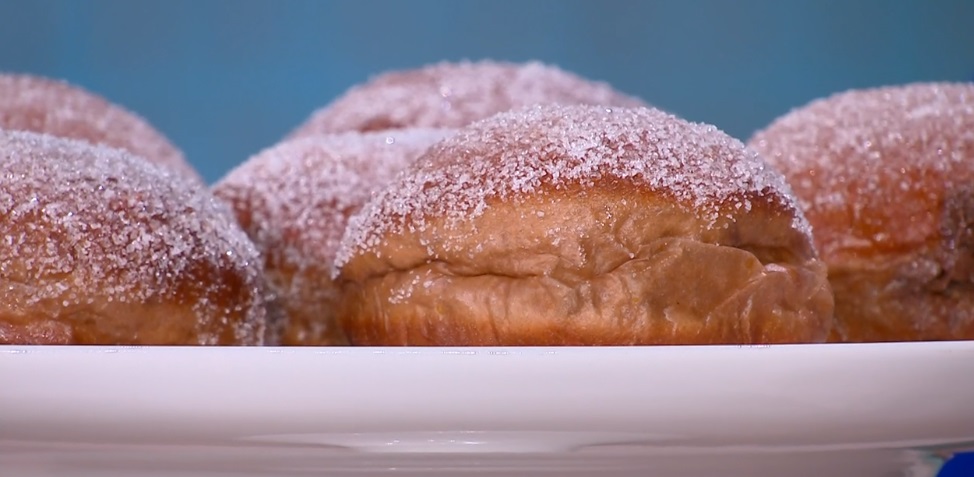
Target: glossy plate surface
x: 863, y: 410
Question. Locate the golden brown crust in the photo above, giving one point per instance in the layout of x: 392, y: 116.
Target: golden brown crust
x: 105, y: 248
x: 926, y: 293
x: 889, y: 305
x: 624, y: 267
x: 885, y: 177
x: 659, y: 232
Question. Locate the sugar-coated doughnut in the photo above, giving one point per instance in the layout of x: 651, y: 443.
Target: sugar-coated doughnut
x: 103, y: 247
x: 886, y: 178
x: 44, y: 105
x: 294, y: 200
x: 583, y: 225
x: 452, y: 95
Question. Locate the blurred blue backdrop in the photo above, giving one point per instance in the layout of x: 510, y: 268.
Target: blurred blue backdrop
x: 225, y: 78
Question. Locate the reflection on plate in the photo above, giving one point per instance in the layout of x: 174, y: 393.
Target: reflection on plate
x: 863, y: 410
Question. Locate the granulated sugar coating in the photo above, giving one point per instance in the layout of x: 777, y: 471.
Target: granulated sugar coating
x: 543, y: 148
x: 93, y: 233
x: 30, y: 103
x: 294, y: 200
x: 452, y: 95
x: 886, y: 176
x: 876, y: 165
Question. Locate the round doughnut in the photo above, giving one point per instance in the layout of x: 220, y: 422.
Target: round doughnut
x: 294, y: 200
x: 102, y: 247
x: 886, y: 178
x: 583, y: 225
x: 43, y: 105
x: 452, y: 95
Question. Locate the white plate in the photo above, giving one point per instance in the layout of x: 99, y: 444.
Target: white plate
x: 862, y: 410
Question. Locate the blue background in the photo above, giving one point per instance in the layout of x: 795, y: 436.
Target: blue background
x: 225, y: 78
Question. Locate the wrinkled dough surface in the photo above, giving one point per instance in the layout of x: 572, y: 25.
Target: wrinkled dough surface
x: 901, y: 301
x: 673, y: 291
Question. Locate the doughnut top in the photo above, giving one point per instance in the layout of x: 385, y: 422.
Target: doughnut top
x: 876, y: 165
x: 85, y: 224
x: 294, y: 198
x: 452, y: 95
x: 543, y: 148
x: 30, y: 103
